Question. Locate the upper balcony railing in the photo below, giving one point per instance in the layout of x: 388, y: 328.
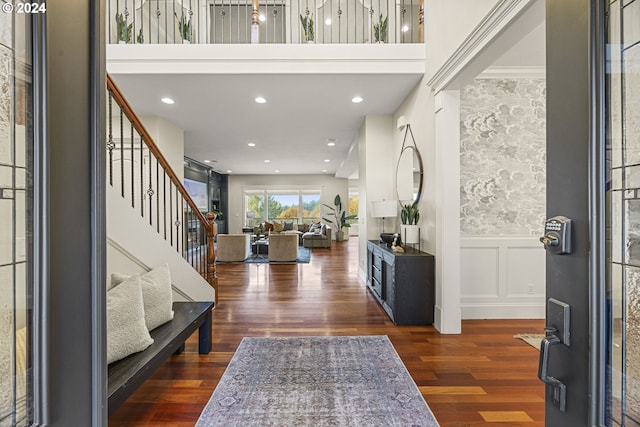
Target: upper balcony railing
x: 266, y: 21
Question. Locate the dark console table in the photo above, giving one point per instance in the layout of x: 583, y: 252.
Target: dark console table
x: 403, y: 283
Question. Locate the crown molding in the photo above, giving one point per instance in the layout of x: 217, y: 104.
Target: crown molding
x: 493, y: 23
x: 530, y: 72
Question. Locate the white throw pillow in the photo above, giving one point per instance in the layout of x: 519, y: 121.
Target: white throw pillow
x: 126, y: 329
x: 156, y: 293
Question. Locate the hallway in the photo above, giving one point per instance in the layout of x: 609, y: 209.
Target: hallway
x: 482, y: 376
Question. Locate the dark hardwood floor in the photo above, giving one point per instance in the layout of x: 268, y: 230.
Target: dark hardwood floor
x: 481, y: 377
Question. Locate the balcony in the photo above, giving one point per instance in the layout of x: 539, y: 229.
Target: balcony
x: 268, y: 22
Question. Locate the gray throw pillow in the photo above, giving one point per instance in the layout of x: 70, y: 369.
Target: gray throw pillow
x: 156, y: 293
x: 288, y: 226
x: 126, y: 329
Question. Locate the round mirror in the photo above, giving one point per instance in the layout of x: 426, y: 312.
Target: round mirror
x: 409, y: 176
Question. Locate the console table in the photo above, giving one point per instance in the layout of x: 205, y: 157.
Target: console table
x: 403, y: 283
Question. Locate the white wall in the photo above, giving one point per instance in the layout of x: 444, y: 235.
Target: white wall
x: 485, y: 30
x: 170, y: 141
x: 329, y: 187
x: 448, y: 23
x: 416, y: 108
x: 135, y: 246
x: 376, y: 175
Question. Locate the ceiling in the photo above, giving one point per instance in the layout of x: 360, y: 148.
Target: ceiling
x: 303, y: 113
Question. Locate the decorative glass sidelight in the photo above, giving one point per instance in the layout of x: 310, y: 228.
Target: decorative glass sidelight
x: 16, y: 221
x: 623, y: 210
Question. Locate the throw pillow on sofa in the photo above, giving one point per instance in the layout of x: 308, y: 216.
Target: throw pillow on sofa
x: 156, y: 294
x: 268, y: 226
x: 126, y: 329
x: 288, y: 226
x: 278, y: 227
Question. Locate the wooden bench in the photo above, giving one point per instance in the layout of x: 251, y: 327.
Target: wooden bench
x: 126, y: 375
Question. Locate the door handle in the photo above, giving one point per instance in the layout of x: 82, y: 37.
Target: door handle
x: 559, y: 388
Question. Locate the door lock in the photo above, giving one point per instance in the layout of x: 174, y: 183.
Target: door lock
x: 557, y: 235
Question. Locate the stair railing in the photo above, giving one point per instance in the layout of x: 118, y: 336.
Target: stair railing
x: 142, y: 173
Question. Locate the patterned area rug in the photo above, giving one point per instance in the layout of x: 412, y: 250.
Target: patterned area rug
x: 316, y: 381
x: 532, y: 339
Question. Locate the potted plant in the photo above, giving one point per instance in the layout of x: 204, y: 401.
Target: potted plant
x: 339, y: 218
x: 307, y: 27
x: 184, y: 27
x: 380, y: 30
x: 140, y: 37
x: 124, y: 30
x: 410, y: 215
x: 217, y: 213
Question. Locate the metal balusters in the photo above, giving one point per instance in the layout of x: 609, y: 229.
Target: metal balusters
x: 133, y: 198
x: 354, y: 20
x: 141, y: 177
x: 170, y: 210
x: 158, y: 196
x: 110, y: 144
x: 150, y: 193
x: 121, y: 153
x: 164, y: 204
x: 177, y: 223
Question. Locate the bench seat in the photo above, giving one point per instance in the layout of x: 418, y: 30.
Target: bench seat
x: 126, y: 375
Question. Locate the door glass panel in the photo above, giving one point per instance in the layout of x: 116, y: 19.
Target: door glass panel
x: 623, y: 211
x: 15, y: 221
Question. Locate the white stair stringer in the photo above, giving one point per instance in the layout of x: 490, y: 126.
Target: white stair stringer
x: 134, y: 246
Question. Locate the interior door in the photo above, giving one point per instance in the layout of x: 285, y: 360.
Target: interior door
x: 571, y: 355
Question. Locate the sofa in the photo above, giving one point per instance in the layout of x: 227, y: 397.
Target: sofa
x: 233, y: 247
x: 283, y: 247
x: 317, y: 237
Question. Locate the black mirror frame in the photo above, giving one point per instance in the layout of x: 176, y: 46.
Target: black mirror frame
x: 416, y: 152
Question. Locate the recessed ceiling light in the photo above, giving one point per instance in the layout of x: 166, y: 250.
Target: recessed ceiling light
x: 260, y: 100
x: 324, y: 170
x: 357, y: 99
x: 251, y: 144
x: 228, y: 171
x: 331, y: 144
x: 167, y: 100
x: 405, y: 28
x: 327, y: 21
x: 262, y: 18
x: 327, y: 160
x: 267, y: 161
x: 207, y: 161
x: 276, y: 171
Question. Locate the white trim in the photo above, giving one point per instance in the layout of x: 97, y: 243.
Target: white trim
x: 404, y: 59
x: 514, y: 73
x: 491, y: 26
x: 503, y: 310
x: 447, y: 133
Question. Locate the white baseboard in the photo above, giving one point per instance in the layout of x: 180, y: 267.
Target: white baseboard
x: 437, y: 318
x: 503, y: 311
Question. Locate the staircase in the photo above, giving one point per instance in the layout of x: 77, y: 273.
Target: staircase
x: 151, y: 219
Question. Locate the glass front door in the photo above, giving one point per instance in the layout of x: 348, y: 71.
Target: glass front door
x: 623, y: 210
x: 15, y: 220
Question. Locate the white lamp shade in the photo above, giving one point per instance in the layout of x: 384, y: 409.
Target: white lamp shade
x: 251, y: 214
x: 384, y: 209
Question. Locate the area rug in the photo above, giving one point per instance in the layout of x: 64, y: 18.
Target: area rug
x: 316, y: 381
x: 532, y: 339
x: 304, y: 257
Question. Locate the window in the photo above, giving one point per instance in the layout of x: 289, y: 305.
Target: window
x: 271, y: 205
x: 311, y: 207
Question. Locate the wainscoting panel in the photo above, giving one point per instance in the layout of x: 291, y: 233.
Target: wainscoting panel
x: 525, y: 271
x: 480, y: 268
x: 502, y: 278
